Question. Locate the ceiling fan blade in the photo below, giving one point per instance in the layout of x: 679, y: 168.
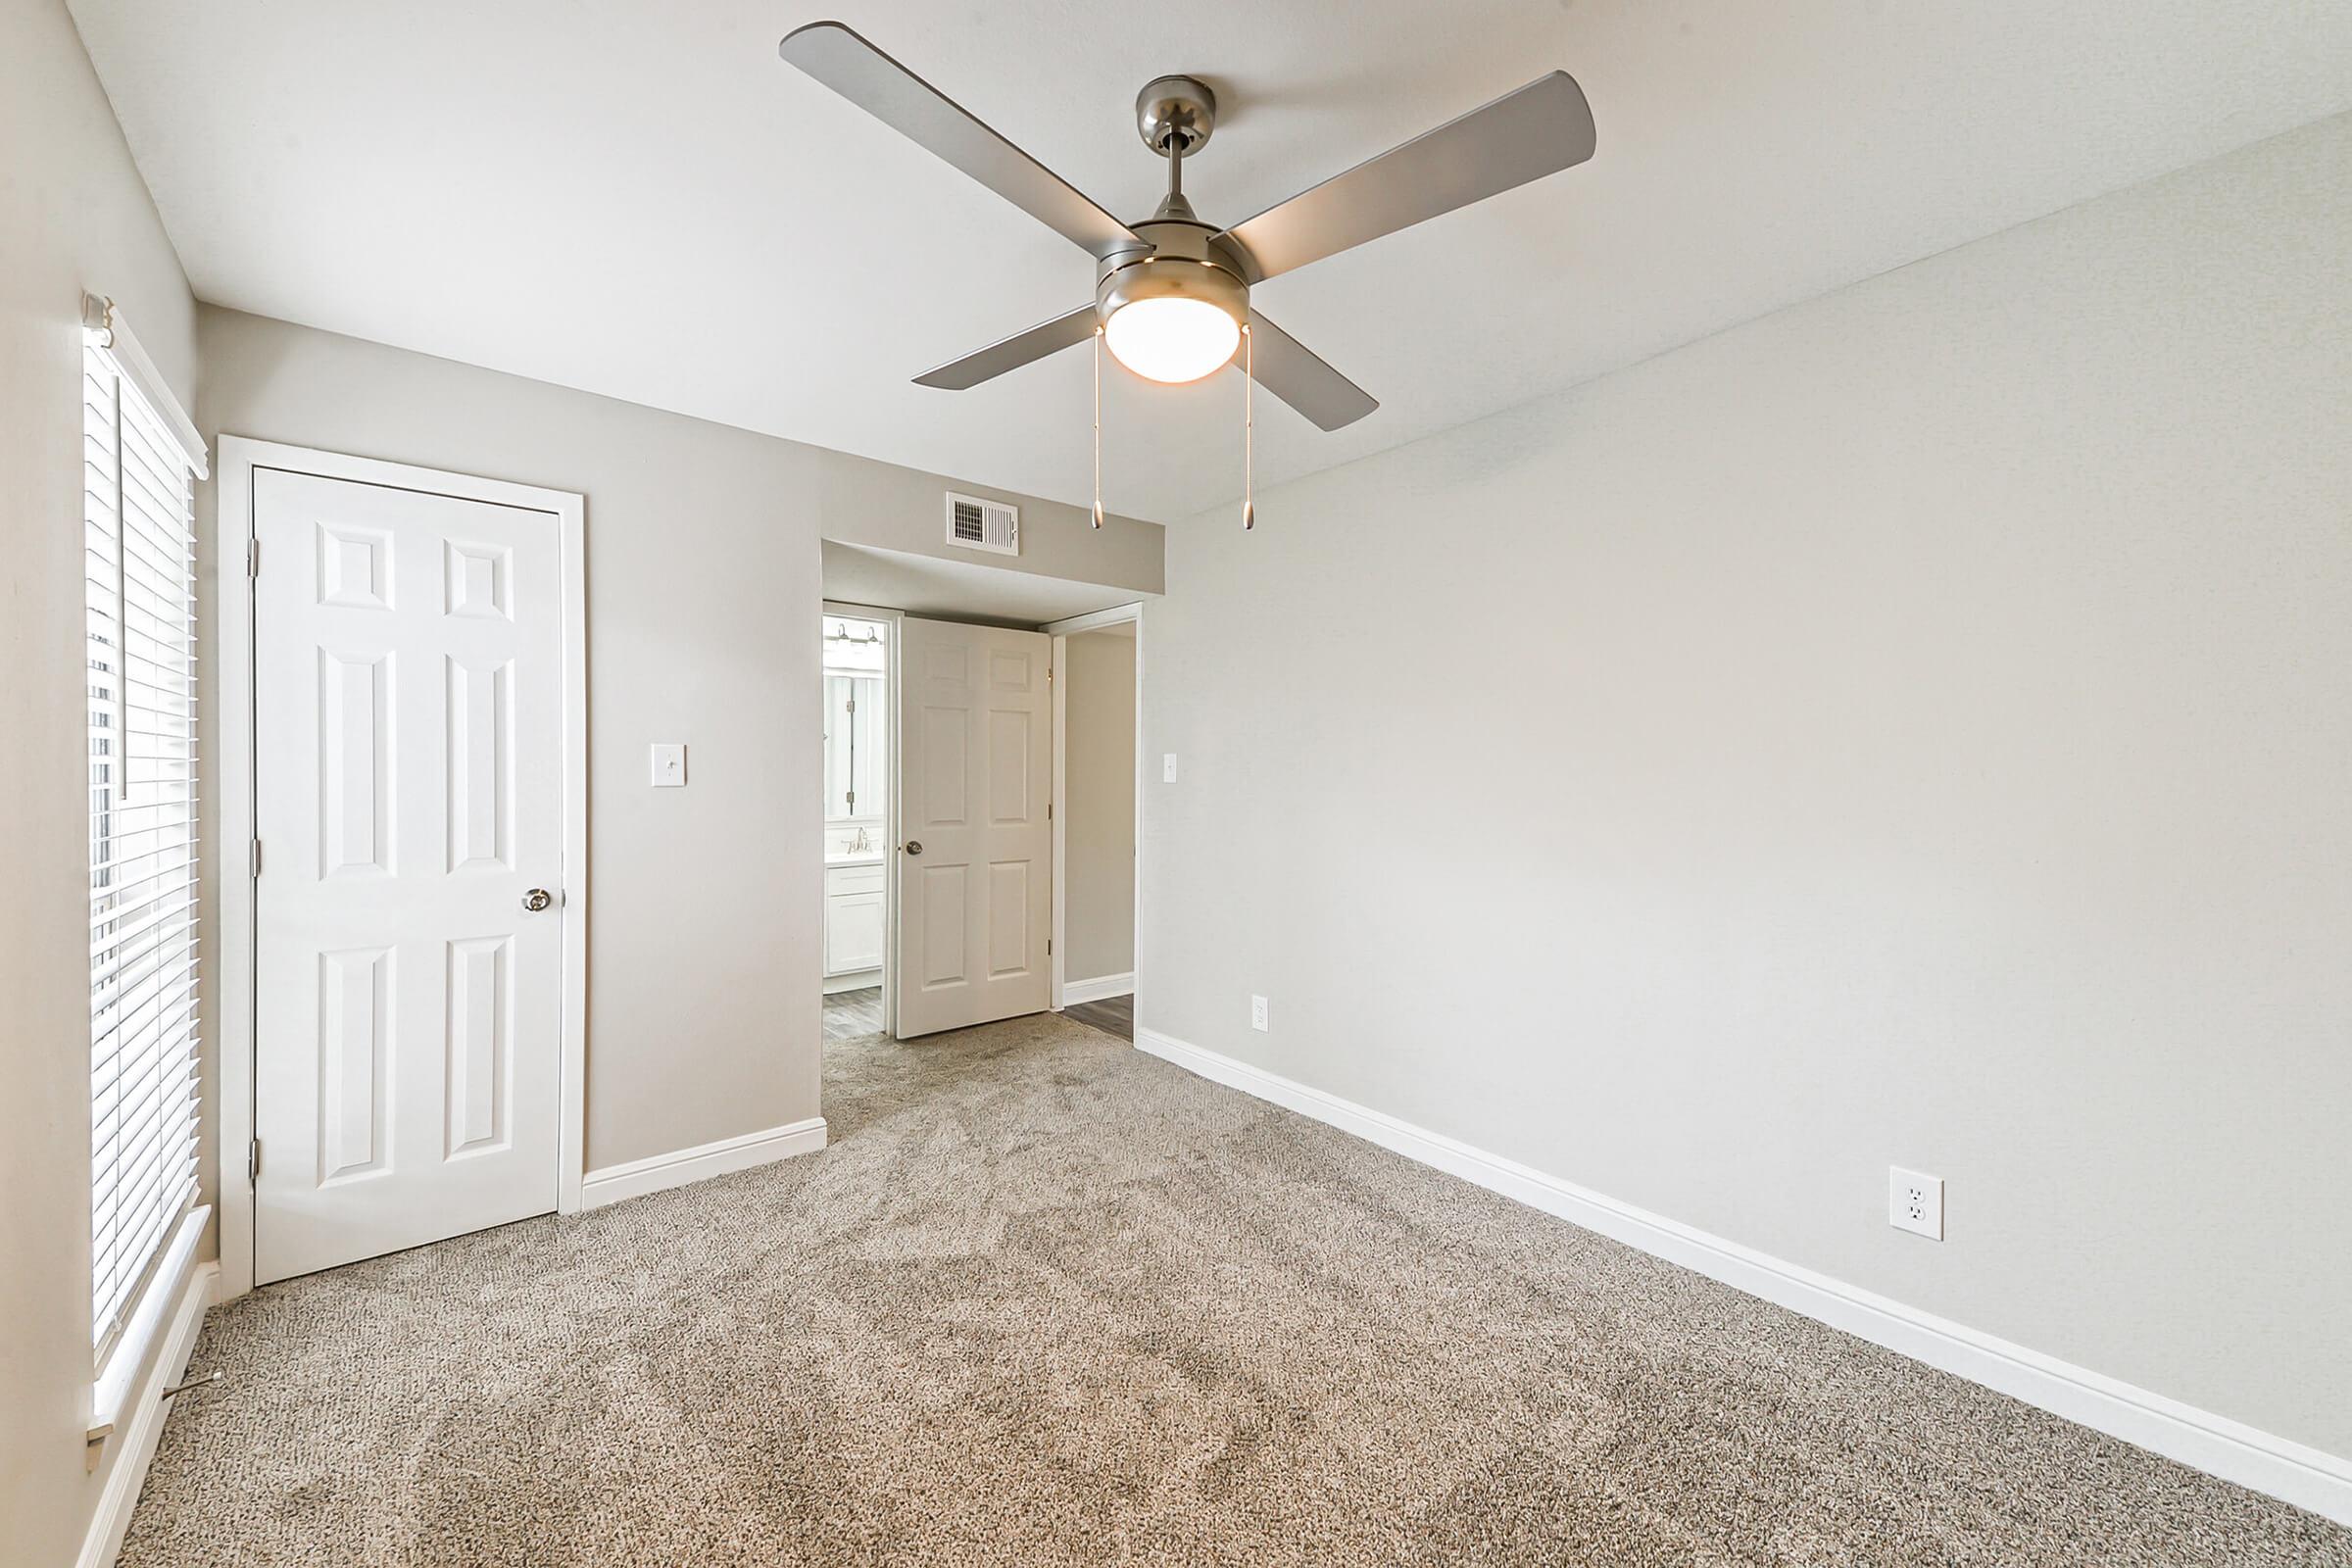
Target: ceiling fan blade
x: 1541, y: 128
x: 1298, y: 375
x: 1022, y: 348
x: 913, y: 108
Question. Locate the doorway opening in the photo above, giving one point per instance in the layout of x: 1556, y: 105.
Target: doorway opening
x: 857, y: 846
x: 981, y: 777
x: 1097, y: 754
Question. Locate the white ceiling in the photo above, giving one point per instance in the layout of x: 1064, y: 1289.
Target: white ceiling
x: 640, y: 199
x: 959, y: 590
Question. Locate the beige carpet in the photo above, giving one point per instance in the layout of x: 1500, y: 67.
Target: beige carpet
x: 1050, y: 1301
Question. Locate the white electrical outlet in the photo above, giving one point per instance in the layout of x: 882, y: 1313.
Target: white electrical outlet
x: 1257, y: 1013
x: 1915, y: 1202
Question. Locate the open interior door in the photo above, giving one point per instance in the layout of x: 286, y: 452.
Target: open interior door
x: 974, y: 860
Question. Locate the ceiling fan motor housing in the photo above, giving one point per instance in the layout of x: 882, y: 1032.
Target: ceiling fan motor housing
x: 1191, y: 261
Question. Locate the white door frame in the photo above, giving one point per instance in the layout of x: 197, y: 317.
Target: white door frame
x: 891, y: 659
x: 232, y: 771
x: 1060, y: 631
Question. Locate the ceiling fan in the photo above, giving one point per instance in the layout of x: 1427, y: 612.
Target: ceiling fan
x: 1171, y: 291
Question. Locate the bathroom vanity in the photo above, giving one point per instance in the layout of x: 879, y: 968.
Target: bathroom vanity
x: 854, y: 921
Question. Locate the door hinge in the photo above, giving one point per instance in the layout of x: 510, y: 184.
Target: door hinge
x: 255, y: 859
x: 253, y: 1161
x: 253, y: 558
x: 1048, y: 946
x: 1048, y: 810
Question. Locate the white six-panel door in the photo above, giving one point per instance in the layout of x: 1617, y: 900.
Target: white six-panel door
x: 974, y: 869
x: 407, y: 798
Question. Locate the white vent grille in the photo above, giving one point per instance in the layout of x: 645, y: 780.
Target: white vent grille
x: 978, y: 525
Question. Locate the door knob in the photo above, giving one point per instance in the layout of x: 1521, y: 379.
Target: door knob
x: 536, y: 900
x: 914, y: 846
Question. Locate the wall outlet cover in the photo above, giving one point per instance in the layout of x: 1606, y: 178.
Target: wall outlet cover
x: 1915, y: 1202
x: 1257, y: 1013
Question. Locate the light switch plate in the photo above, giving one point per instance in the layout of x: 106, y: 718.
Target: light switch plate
x: 669, y: 765
x: 1167, y: 768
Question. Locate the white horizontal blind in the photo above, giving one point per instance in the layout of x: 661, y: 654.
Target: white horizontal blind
x: 139, y: 527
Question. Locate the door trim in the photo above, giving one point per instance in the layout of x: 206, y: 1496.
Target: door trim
x: 238, y: 456
x: 1060, y: 631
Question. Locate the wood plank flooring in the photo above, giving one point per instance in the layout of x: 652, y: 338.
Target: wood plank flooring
x: 1113, y: 1015
x: 854, y: 1015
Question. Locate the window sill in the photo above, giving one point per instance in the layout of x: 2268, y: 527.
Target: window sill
x: 110, y: 1398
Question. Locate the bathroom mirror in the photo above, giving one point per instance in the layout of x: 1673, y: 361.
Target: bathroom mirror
x: 853, y: 747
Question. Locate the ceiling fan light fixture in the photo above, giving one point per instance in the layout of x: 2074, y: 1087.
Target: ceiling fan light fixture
x: 1524, y: 135
x: 1173, y: 338
x: 1172, y: 318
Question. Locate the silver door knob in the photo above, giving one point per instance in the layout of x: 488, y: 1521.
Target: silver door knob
x: 537, y: 899
x: 914, y: 846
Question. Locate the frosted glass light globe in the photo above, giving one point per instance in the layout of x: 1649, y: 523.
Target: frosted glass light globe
x: 1171, y: 338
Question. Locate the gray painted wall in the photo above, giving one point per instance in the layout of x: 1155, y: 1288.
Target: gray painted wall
x: 1098, y: 774
x: 74, y: 215
x: 1910, y: 728
x: 703, y: 590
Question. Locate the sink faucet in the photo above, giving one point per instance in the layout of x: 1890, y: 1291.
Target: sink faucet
x: 860, y: 844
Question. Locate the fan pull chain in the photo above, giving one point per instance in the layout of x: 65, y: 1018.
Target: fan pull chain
x: 1249, y: 428
x: 1098, y: 424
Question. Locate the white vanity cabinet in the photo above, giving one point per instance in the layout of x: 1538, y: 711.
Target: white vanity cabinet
x: 854, y: 926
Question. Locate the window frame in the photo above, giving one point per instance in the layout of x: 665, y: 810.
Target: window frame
x: 142, y: 461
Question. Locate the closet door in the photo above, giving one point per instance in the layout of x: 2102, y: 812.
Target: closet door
x: 409, y: 798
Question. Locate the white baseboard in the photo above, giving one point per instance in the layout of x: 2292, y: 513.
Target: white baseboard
x: 140, y: 1425
x: 1074, y: 991
x: 640, y: 1176
x: 854, y: 980
x: 2216, y: 1444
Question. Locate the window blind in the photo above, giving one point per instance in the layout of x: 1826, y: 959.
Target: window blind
x: 139, y: 541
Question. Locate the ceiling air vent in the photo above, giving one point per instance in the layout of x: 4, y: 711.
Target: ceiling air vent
x: 978, y: 525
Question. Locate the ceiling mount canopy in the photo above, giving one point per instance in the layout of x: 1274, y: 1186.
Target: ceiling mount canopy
x: 1172, y: 291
